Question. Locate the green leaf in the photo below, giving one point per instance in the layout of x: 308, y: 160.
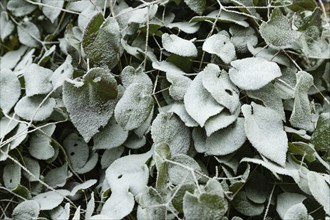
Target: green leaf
x: 134, y: 107
x: 161, y: 154
x: 301, y: 116
x: 29, y: 34
x: 197, y: 6
x: 30, y: 108
x: 77, y: 151
x: 11, y: 175
x: 101, y: 41
x: 52, y: 9
x: 321, y: 135
x: 243, y: 205
x: 7, y: 26
x: 253, y: 73
x: 37, y: 80
x: 305, y: 150
x: 220, y: 45
x: 177, y: 200
x: 277, y: 32
x: 264, y: 130
x: 10, y: 90
x: 287, y: 200
x: 40, y: 143
x: 91, y: 103
x: 27, y: 209
x: 302, y: 5
x: 179, y: 46
x: 168, y: 128
x: 320, y: 189
x: 151, y: 205
x: 20, y: 8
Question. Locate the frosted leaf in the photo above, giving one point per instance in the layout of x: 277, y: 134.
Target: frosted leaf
x: 243, y: 205
x: 145, y: 127
x: 223, y: 16
x: 285, y: 85
x: 129, y: 75
x: 52, y: 9
x: 178, y: 45
x: 134, y: 107
x: 227, y: 140
x: 119, y: 205
x: 270, y: 98
x: 140, y: 16
x: 82, y: 186
x: 253, y: 73
x: 76, y: 215
x: 7, y: 26
x: 10, y: 90
x: 178, y: 173
x: 301, y: 116
x: 179, y: 85
x: 63, y: 72
x: 110, y: 155
x: 220, y: 45
x: 264, y: 130
x: 10, y: 59
x: 29, y: 34
x: 288, y: 169
x: 77, y: 151
x: 320, y: 189
x: 99, y: 217
x: 129, y: 173
x: 241, y: 37
x: 199, y: 103
x: 277, y: 32
x: 57, y: 177
x: 199, y: 138
x: 90, y: 207
x: 167, y: 67
x: 20, y: 8
x: 321, y: 135
x: 189, y: 28
x: 197, y: 6
x: 90, y: 164
x: 37, y: 80
x: 135, y: 142
x: 91, y: 103
x: 26, y: 60
x: 257, y: 188
x: 101, y: 41
x: 168, y: 128
x: 298, y: 211
x: 33, y: 166
x: 286, y: 200
x: 40, y: 143
x: 179, y: 110
x: 217, y: 83
x: 28, y: 108
x: 11, y: 175
x: 220, y: 121
x: 27, y: 209
x: 111, y: 136
x: 7, y: 125
x: 51, y: 199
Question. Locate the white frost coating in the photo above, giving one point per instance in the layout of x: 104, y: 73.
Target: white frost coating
x: 7, y: 125
x: 178, y: 45
x: 298, y: 211
x: 199, y: 103
x: 253, y: 73
x: 179, y: 110
x: 10, y: 90
x: 286, y: 200
x: 10, y: 59
x: 167, y: 67
x: 50, y: 199
x: 221, y: 46
x: 227, y: 140
x: 264, y: 129
x: 221, y: 88
x: 199, y: 137
x: 224, y: 17
x: 11, y: 175
x: 52, y: 9
x: 129, y: 75
x: 119, y: 205
x: 28, y: 34
x: 37, y: 80
x: 77, y: 151
x: 63, y: 72
x: 27, y: 209
x: 40, y: 146
x: 319, y: 189
x: 189, y: 28
x: 179, y: 85
x: 241, y: 37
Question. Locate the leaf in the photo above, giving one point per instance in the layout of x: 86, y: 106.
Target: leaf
x: 110, y: 155
x: 298, y: 211
x: 320, y: 190
x: 77, y: 151
x: 134, y: 107
x: 33, y: 166
x: 161, y: 154
x: 264, y: 130
x: 85, y: 185
x: 62, y: 73
x: 301, y: 116
x: 11, y: 175
x: 135, y: 142
x: 37, y: 80
x: 167, y: 67
x: 241, y: 37
x: 179, y: 110
x: 90, y: 207
x: 179, y: 85
x: 277, y: 32
x: 168, y: 128
x: 111, y: 136
x: 187, y: 27
x: 101, y: 41
x: 302, y: 5
x: 220, y: 45
x: 76, y: 215
x: 20, y: 8
x: 321, y: 135
x: 177, y: 200
x: 178, y: 45
x: 52, y: 9
x: 10, y: 90
x: 129, y: 75
x: 223, y: 16
x: 197, y: 6
x: 90, y: 164
x: 7, y: 125
x: 217, y: 83
x: 10, y: 59
x: 199, y: 103
x: 51, y: 199
x: 227, y: 140
x: 29, y: 34
x: 151, y: 205
x: 27, y: 209
x: 40, y: 144
x: 30, y: 108
x: 91, y: 103
x: 287, y: 200
x: 253, y: 73
x: 7, y: 26
x: 257, y: 188
x: 119, y: 205
x: 57, y: 177
x: 243, y: 205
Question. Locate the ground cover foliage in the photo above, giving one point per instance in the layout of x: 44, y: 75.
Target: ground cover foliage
x: 166, y: 109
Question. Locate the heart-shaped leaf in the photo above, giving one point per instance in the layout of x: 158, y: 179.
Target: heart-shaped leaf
x: 178, y: 45
x: 37, y: 80
x: 28, y: 209
x: 10, y: 90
